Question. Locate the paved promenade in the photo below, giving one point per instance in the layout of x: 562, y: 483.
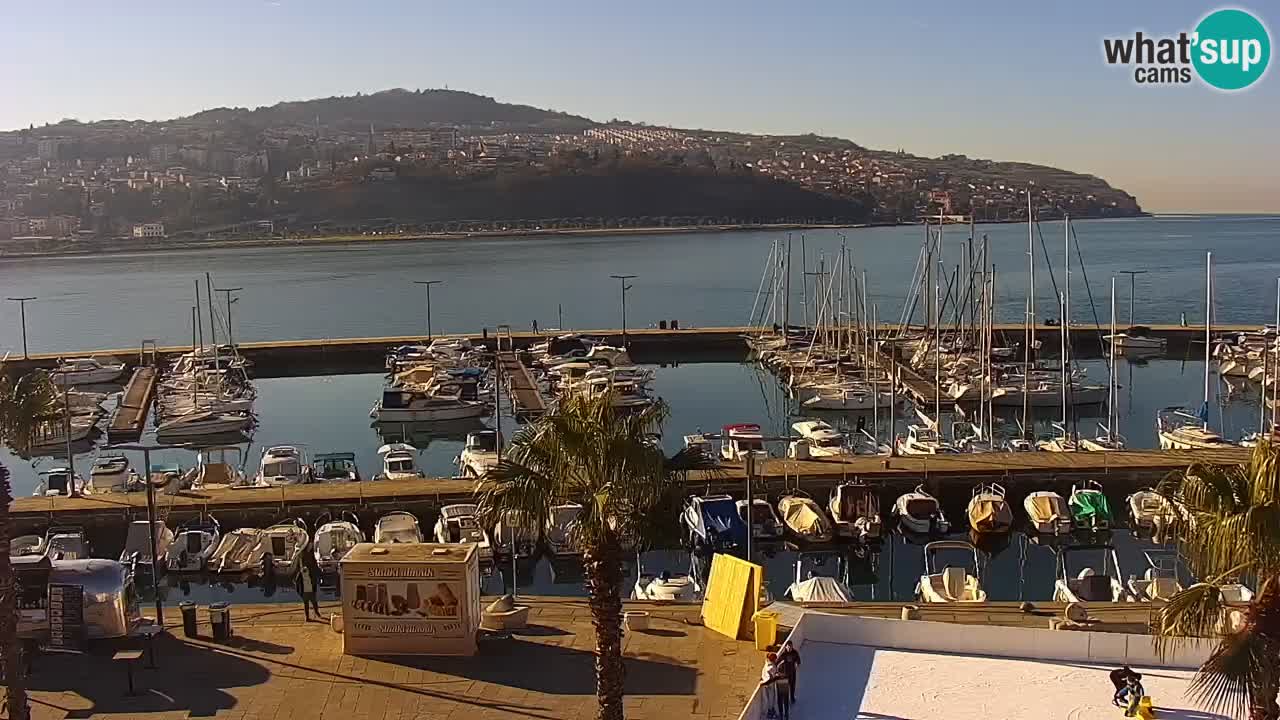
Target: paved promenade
x: 281, y: 667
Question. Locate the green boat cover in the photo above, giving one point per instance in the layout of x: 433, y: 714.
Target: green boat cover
x: 1089, y: 504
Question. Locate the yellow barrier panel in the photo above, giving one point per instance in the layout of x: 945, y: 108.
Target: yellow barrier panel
x: 732, y: 597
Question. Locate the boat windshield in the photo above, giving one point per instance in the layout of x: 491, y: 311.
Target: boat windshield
x: 484, y: 443
x: 834, y: 441
x: 750, y: 445
x: 280, y: 468
x: 926, y: 435
x: 336, y: 467
x: 400, y: 465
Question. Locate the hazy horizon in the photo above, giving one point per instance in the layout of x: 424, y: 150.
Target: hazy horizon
x: 1001, y: 81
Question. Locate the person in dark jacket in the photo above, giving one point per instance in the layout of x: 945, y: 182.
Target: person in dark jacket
x: 1120, y: 679
x: 307, y: 584
x: 789, y: 665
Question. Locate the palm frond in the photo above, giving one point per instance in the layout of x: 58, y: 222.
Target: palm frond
x: 1232, y: 678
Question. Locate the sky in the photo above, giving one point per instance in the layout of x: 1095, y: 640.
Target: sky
x: 996, y: 79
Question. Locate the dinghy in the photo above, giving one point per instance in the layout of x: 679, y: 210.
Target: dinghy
x: 919, y: 512
x: 988, y: 510
x: 805, y: 519
x: 1048, y: 513
x: 1090, y: 509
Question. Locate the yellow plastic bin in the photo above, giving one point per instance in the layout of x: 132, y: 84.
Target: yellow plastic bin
x: 766, y: 626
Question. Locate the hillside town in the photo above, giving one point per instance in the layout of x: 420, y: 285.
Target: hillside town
x: 214, y: 176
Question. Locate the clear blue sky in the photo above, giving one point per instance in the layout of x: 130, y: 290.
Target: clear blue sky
x: 1005, y: 80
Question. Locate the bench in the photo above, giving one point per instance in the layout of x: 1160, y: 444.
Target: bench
x: 128, y: 657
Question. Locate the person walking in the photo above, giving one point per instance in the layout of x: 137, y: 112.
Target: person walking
x: 772, y: 678
x: 789, y: 665
x: 307, y: 584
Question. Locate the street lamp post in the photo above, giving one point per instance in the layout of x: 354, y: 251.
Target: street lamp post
x: 226, y: 292
x: 22, y: 310
x: 151, y: 519
x: 427, y: 284
x: 1132, y: 286
x: 622, y: 279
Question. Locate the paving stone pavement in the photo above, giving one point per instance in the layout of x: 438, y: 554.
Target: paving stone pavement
x: 279, y: 666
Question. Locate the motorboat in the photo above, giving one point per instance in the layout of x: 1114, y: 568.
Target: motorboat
x: 217, y: 467
x: 703, y: 444
x: 765, y: 523
x: 950, y: 583
x: 239, y: 551
x: 479, y: 454
x: 51, y: 437
x: 509, y: 535
x: 457, y: 524
x: 335, y: 467
x: 855, y: 511
x: 988, y: 510
x: 1048, y: 513
x: 738, y: 441
x: 822, y: 439
x: 1180, y: 430
x: 110, y: 473
x: 137, y: 545
x: 449, y: 400
x: 282, y: 465
x: 1090, y: 509
x: 1159, y: 583
x: 26, y: 545
x: 1150, y: 512
x: 663, y: 585
x: 561, y: 526
x: 208, y: 422
x: 397, y: 527
x: 1136, y: 339
x: 817, y: 582
x: 86, y: 371
x: 399, y: 462
x: 57, y: 481
x: 805, y: 519
x: 193, y: 545
x: 285, y: 542
x: 849, y: 397
x: 714, y: 521
x: 1095, y: 582
x: 921, y: 440
x: 66, y: 542
x: 334, y: 539
x: 921, y: 513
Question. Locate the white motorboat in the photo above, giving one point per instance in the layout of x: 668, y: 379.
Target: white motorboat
x: 822, y: 439
x: 1048, y: 513
x: 239, y: 551
x: 51, y: 437
x: 921, y: 440
x: 479, y: 454
x: 285, y: 542
x: 397, y: 527
x: 805, y: 519
x: 58, y: 481
x: 282, y: 465
x: 109, y: 474
x: 66, y: 542
x: 335, y: 467
x: 950, y: 583
x: 765, y: 523
x: 216, y: 468
x: 193, y: 545
x: 444, y: 401
x: 457, y: 524
x: 816, y: 581
x: 739, y: 440
x: 26, y: 546
x: 854, y: 397
x: 399, y: 462
x: 560, y: 529
x: 1094, y: 582
x: 663, y: 585
x: 205, y: 423
x: 1180, y: 430
x: 86, y: 371
x: 1159, y: 583
x: 919, y: 512
x: 855, y: 511
x: 511, y: 535
x: 1136, y: 339
x: 1150, y: 512
x: 988, y: 511
x: 334, y: 539
x: 704, y: 444
x: 137, y: 545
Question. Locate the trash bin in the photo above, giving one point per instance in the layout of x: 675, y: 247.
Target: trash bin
x: 220, y: 621
x: 766, y: 624
x: 188, y: 618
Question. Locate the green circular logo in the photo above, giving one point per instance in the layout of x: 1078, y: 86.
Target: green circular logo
x: 1231, y: 49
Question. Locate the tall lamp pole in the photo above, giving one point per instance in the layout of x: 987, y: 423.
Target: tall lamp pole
x: 1132, y: 286
x: 427, y: 284
x: 226, y: 292
x: 22, y: 310
x: 625, y: 287
x: 151, y: 519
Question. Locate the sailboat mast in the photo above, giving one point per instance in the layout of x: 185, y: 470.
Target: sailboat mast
x: 875, y: 379
x: 786, y: 289
x: 1066, y: 325
x: 1208, y: 325
x: 1112, y: 416
x: 1029, y: 321
x: 199, y: 324
x: 213, y: 337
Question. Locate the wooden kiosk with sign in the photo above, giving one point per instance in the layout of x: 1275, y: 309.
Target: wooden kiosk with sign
x: 410, y: 599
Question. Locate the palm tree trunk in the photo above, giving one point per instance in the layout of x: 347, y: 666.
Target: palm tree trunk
x: 10, y: 653
x: 603, y: 565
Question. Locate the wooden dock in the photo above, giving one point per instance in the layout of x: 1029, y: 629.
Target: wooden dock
x: 526, y: 400
x: 950, y: 477
x: 131, y: 414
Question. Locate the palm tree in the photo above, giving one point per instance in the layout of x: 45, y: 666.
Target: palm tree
x: 1229, y: 527
x: 589, y: 454
x: 25, y: 405
x: 10, y: 654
